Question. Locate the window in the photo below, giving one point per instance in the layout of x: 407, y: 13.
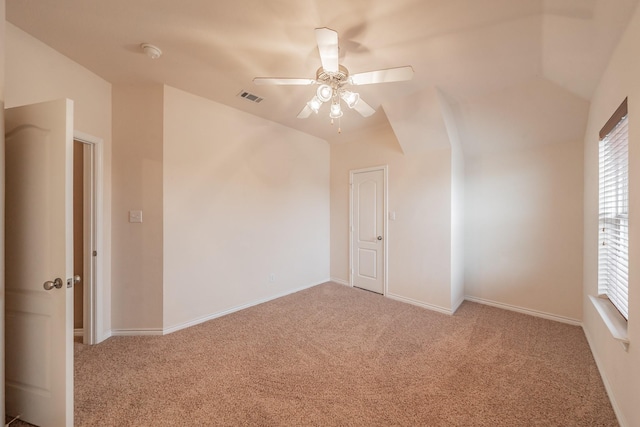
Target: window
x: 613, y: 252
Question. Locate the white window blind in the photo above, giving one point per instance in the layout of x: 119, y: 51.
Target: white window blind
x: 613, y: 253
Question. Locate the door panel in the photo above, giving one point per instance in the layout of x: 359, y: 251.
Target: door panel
x: 366, y: 195
x: 39, y: 248
x: 367, y: 265
x: 368, y: 230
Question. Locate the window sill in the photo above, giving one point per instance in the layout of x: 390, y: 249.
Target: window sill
x: 613, y: 319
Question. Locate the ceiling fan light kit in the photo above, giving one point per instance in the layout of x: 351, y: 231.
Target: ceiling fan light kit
x: 332, y: 77
x: 336, y: 111
x: 350, y: 98
x: 315, y: 104
x: 324, y: 93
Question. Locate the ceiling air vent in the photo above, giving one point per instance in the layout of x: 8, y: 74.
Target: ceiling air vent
x: 249, y: 96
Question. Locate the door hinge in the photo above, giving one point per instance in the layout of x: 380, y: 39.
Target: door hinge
x: 95, y: 253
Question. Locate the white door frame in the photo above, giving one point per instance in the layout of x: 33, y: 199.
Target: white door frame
x: 385, y: 234
x: 93, y: 225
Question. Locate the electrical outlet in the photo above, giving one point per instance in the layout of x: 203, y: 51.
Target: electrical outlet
x: 272, y: 277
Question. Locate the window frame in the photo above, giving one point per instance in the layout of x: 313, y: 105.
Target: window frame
x: 613, y: 204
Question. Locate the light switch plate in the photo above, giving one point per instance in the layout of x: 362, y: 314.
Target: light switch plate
x: 135, y: 216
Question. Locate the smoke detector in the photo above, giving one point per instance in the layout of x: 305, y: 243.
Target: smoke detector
x: 151, y: 51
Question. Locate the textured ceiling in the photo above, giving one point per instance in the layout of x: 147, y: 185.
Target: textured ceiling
x: 477, y: 53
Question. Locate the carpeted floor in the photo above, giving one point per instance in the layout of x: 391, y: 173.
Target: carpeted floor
x: 333, y: 355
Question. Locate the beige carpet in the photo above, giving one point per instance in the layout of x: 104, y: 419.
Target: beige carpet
x: 332, y: 355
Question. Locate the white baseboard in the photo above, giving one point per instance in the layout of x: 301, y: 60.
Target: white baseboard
x: 79, y: 332
x: 457, y: 305
x: 135, y: 332
x: 530, y: 312
x: 431, y: 307
x: 340, y: 281
x: 237, y: 308
x: 607, y: 385
x: 105, y: 335
x: 419, y: 304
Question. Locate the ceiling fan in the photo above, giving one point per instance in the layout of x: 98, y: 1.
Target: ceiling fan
x: 333, y: 78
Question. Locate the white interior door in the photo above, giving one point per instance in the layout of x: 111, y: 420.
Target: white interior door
x: 39, y: 249
x: 367, y: 213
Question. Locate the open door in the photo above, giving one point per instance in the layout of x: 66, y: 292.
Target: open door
x: 39, y: 263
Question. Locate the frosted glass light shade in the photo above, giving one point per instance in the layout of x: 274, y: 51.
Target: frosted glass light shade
x: 350, y: 98
x: 324, y: 93
x: 336, y: 111
x: 315, y: 104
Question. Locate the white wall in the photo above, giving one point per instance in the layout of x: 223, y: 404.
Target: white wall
x: 457, y: 226
x: 420, y: 194
x: 243, y: 198
x: 620, y: 369
x: 457, y: 199
x: 425, y: 121
x: 137, y: 185
x: 35, y: 73
x: 523, y: 235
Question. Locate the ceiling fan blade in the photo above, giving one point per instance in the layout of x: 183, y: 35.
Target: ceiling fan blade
x: 282, y: 81
x: 306, y: 112
x: 363, y: 108
x: 382, y: 76
x: 328, y: 47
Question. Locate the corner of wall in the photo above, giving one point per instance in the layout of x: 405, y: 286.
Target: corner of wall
x: 2, y: 349
x: 457, y: 200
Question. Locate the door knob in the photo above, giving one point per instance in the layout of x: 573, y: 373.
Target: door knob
x: 48, y: 285
x: 379, y: 237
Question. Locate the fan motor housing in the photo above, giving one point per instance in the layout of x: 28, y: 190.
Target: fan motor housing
x: 335, y: 80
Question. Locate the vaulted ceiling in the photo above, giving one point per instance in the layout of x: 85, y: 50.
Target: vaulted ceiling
x: 513, y: 72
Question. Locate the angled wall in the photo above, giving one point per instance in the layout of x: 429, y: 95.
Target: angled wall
x: 420, y: 195
x: 424, y: 128
x: 523, y: 202
x: 234, y: 208
x: 417, y: 121
x: 246, y: 209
